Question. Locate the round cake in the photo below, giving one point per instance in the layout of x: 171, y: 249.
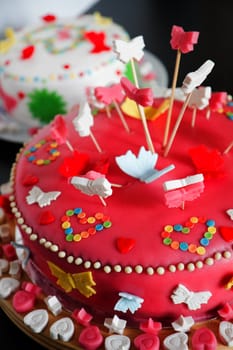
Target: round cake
x: 45, y: 68
x: 118, y: 229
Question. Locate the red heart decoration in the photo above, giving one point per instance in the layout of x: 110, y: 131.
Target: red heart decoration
x: 90, y: 337
x: 21, y: 95
x: 124, y: 245
x: 30, y: 180
x: 27, y: 52
x: 204, y: 338
x: 226, y: 233
x: 46, y: 217
x: 23, y: 301
x: 147, y: 341
x: 49, y: 18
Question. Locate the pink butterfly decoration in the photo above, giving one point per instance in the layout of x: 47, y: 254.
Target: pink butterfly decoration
x: 176, y: 198
x: 109, y: 94
x: 217, y: 100
x: 143, y: 97
x: 59, y: 129
x: 9, y: 102
x: 181, y: 40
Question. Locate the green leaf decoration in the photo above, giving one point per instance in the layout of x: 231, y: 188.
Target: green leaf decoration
x: 128, y: 73
x: 44, y: 105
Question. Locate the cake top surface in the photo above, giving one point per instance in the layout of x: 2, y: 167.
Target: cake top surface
x: 137, y: 211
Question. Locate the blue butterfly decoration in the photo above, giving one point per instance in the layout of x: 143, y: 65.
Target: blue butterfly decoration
x: 128, y: 302
x: 142, y: 167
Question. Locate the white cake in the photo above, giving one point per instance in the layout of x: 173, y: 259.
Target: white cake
x: 45, y: 68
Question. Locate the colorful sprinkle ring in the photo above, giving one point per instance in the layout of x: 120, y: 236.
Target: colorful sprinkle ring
x: 185, y: 230
x: 94, y: 224
x: 52, y: 150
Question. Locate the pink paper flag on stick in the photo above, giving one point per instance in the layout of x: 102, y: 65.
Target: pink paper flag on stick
x: 183, y: 42
x: 181, y: 190
x: 112, y: 94
x: 128, y: 52
x: 59, y: 131
x: 217, y: 102
x: 144, y: 97
x: 83, y: 122
x: 191, y: 81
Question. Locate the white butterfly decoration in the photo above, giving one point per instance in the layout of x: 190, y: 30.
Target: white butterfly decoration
x: 230, y: 213
x: 143, y: 166
x: 200, y: 97
x: 194, y: 79
x: 43, y: 199
x: 84, y: 120
x: 193, y: 299
x: 100, y: 186
x: 126, y: 50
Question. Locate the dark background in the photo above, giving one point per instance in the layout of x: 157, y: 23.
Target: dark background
x: 154, y: 19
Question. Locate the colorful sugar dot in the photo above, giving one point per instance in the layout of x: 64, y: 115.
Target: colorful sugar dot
x: 175, y: 245
x: 194, y: 219
x: 99, y: 227
x: 65, y: 224
x: 168, y: 228
x: 91, y: 220
x: 178, y: 227
x: 77, y: 211
x: 211, y: 229
x: 201, y: 250
x: 184, y: 246
x: 204, y: 241
x: 68, y: 231
x: 107, y: 224
x: 185, y: 230
x: 167, y: 241
x: 210, y: 222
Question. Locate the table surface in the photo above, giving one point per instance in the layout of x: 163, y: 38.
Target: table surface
x: 153, y: 19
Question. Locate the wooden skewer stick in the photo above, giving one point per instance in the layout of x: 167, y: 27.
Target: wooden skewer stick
x: 121, y: 116
x: 174, y: 82
x: 102, y: 201
x: 194, y: 116
x: 95, y: 142
x: 177, y: 124
x: 229, y: 147
x: 69, y: 146
x: 208, y: 112
x: 142, y: 112
x: 107, y: 108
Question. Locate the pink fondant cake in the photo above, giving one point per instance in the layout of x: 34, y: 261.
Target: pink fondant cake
x: 148, y: 252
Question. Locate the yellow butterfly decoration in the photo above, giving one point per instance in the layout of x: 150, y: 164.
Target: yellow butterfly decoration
x: 82, y: 281
x: 101, y: 19
x: 7, y: 43
x: 229, y: 283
